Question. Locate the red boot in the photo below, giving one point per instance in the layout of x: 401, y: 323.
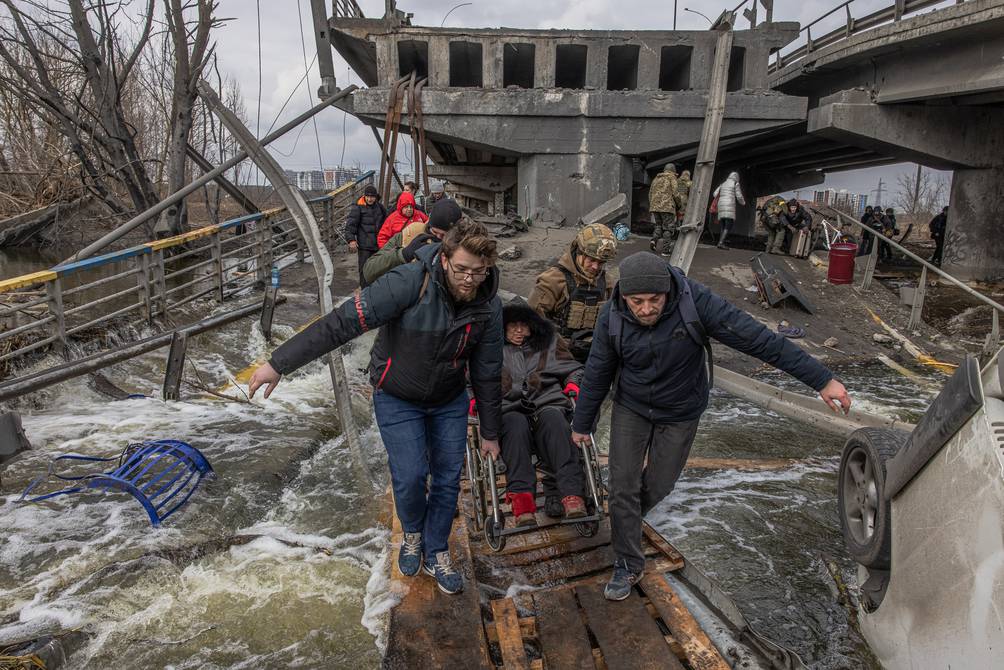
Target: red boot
x: 575, y: 507
x: 523, y: 508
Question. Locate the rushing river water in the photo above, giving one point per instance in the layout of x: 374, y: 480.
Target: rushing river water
x: 310, y: 591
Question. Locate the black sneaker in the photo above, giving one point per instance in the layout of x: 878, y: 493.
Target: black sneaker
x: 619, y: 586
x: 553, y: 507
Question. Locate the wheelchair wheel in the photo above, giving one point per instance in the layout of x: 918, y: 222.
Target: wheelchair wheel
x: 587, y: 528
x: 493, y: 534
x: 476, y: 480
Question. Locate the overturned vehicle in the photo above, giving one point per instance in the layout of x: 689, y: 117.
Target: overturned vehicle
x: 923, y: 515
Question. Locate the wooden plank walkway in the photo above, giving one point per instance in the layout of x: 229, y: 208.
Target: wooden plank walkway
x: 558, y: 617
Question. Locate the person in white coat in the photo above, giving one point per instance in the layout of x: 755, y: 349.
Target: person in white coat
x: 728, y: 193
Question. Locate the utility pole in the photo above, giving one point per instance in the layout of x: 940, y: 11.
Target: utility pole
x: 707, y: 149
x: 878, y: 192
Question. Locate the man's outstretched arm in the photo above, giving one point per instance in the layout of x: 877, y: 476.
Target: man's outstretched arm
x: 367, y: 309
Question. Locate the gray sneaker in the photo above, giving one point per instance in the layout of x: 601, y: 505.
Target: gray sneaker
x: 619, y: 586
x: 447, y: 578
x: 409, y: 559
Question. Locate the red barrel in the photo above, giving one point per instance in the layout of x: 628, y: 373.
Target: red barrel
x: 841, y: 270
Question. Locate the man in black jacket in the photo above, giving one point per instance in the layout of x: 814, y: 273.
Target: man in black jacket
x: 362, y: 226
x: 652, y: 338
x: 439, y: 320
x: 938, y: 226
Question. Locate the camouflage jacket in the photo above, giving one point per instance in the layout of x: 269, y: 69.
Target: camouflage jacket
x: 662, y: 193
x: 550, y: 293
x: 682, y: 196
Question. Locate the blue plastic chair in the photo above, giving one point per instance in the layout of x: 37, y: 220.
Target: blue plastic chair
x: 160, y: 474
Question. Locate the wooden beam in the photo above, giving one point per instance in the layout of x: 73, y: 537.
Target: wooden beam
x: 701, y: 652
x: 509, y: 636
x: 707, y: 151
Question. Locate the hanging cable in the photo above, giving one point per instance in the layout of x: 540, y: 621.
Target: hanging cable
x: 310, y: 94
x: 257, y: 130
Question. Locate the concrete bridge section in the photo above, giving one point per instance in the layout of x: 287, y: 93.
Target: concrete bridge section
x: 556, y: 122
x: 927, y: 88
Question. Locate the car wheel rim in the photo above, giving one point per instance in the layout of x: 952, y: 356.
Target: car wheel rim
x: 860, y: 495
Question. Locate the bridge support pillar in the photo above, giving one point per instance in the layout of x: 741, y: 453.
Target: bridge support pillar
x: 556, y: 186
x: 974, y: 246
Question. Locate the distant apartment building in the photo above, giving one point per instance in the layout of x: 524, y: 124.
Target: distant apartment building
x: 310, y: 180
x: 338, y: 176
x: 844, y: 200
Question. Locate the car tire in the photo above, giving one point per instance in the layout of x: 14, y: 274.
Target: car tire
x: 864, y: 511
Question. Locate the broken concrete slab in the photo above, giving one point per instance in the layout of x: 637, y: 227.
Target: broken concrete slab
x: 608, y: 213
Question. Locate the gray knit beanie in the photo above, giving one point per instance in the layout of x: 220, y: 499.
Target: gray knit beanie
x: 644, y: 272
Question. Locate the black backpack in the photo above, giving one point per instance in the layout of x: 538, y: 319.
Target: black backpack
x: 691, y: 322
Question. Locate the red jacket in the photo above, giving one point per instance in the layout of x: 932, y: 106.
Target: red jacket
x: 396, y: 222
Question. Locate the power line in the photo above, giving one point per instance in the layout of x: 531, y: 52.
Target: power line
x: 310, y: 95
x: 257, y: 130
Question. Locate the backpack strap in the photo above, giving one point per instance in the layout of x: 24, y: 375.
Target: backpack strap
x: 425, y: 285
x: 615, y: 328
x: 692, y: 321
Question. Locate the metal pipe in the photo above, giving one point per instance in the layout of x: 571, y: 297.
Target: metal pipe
x: 930, y: 266
x: 180, y: 194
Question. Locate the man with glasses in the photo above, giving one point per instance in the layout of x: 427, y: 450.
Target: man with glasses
x: 439, y: 320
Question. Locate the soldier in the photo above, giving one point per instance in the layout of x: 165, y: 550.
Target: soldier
x: 770, y: 217
x: 662, y: 204
x: 571, y: 292
x: 682, y: 196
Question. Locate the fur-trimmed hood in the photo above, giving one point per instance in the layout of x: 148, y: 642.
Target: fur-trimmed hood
x: 542, y: 331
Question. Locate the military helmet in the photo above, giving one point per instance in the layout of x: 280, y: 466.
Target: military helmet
x: 669, y: 167
x: 597, y: 241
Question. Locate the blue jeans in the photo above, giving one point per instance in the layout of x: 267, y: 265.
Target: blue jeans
x: 420, y: 441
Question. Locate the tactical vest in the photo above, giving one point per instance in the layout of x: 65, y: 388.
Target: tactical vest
x: 581, y: 312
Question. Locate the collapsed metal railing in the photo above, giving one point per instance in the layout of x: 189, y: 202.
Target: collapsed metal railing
x: 852, y: 26
x: 147, y: 286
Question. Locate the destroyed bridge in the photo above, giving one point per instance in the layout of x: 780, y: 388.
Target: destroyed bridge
x: 553, y: 123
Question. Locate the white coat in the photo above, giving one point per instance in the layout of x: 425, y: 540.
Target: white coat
x: 728, y: 192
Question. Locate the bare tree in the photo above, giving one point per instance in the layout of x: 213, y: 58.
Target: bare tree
x: 920, y: 196
x: 70, y: 65
x: 192, y: 52
x: 102, y: 91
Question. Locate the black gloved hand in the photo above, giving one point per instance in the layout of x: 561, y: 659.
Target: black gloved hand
x: 409, y: 251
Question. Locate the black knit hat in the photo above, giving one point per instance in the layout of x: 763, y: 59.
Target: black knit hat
x: 445, y: 214
x: 644, y: 272
x: 370, y: 190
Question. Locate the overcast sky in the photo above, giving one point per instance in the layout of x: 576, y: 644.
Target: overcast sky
x: 283, y: 58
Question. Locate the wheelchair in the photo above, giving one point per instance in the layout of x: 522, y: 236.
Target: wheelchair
x: 486, y: 494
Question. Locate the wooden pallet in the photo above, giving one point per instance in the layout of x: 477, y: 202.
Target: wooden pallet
x: 559, y: 619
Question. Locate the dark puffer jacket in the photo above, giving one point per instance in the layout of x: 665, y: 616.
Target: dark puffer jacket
x: 800, y: 219
x: 426, y: 342
x: 662, y: 369
x: 363, y: 223
x: 534, y: 375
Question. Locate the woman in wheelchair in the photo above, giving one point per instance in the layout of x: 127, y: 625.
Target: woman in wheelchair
x: 539, y: 375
